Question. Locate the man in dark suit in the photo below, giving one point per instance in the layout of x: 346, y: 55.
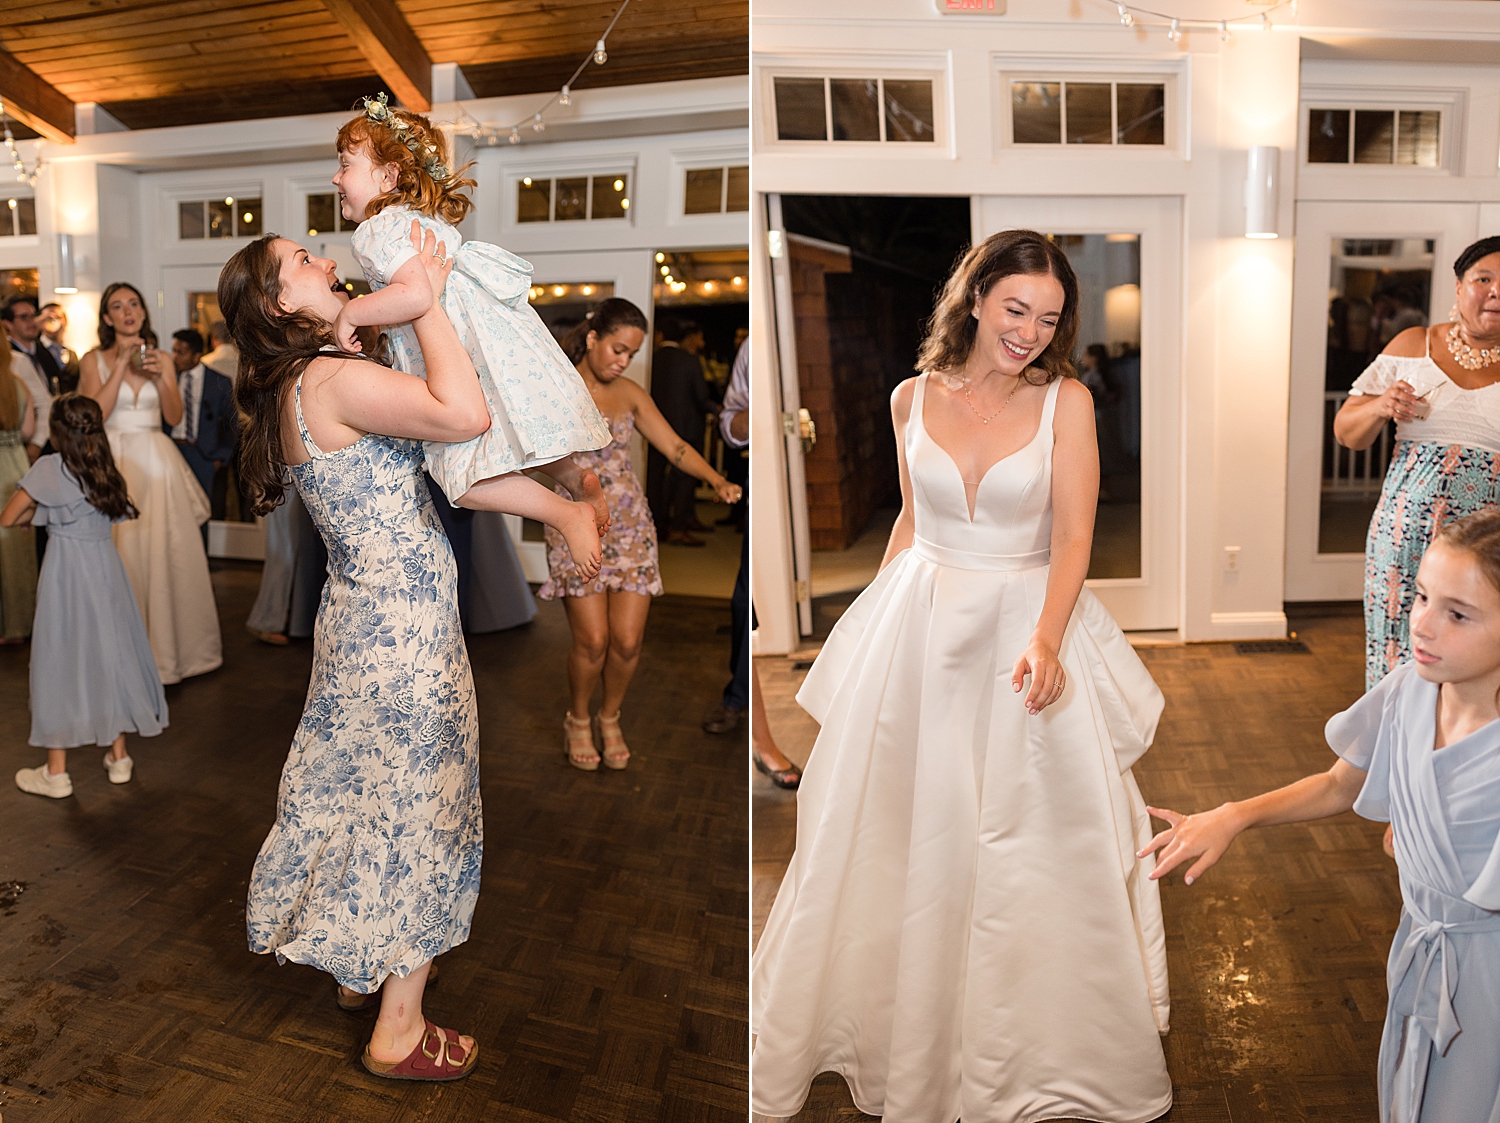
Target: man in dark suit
x: 210, y: 425
x: 24, y: 326
x: 681, y: 393
x: 54, y: 323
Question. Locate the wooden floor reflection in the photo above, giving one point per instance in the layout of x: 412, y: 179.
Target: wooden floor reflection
x: 605, y: 977
x: 1277, y: 957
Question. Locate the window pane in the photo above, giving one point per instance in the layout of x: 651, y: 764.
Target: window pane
x: 799, y: 109
x: 856, y: 108
x: 220, y: 219
x: 190, y: 220
x: 1417, y: 138
x: 320, y: 214
x: 1328, y: 136
x: 1141, y: 113
x: 572, y: 200
x: 908, y: 111
x: 247, y: 216
x: 1088, y: 113
x: 739, y: 188
x: 611, y: 196
x: 1374, y: 132
x: 705, y: 191
x: 534, y: 200
x: 8, y: 218
x: 1036, y: 112
x: 25, y: 216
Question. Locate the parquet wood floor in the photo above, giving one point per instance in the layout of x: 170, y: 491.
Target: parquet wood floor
x: 605, y: 978
x: 1277, y: 957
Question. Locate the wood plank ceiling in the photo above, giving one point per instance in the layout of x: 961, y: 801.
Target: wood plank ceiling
x: 153, y: 63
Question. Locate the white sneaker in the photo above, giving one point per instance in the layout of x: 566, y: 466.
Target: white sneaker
x: 119, y: 770
x: 38, y: 781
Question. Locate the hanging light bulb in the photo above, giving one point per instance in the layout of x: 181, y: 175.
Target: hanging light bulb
x: 566, y: 97
x: 515, y: 136
x: 1265, y: 22
x: 1125, y: 17
x: 601, y: 56
x: 1224, y: 31
x: 1174, y: 32
x: 492, y: 140
x: 536, y: 124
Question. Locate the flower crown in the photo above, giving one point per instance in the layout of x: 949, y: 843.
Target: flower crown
x: 378, y: 110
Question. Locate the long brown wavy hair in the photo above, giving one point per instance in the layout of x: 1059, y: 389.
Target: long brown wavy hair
x: 951, y: 329
x: 611, y: 315
x: 77, y: 430
x: 275, y: 348
x: 107, y: 333
x: 10, y: 402
x: 414, y: 186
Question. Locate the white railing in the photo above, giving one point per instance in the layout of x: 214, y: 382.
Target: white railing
x: 1347, y: 473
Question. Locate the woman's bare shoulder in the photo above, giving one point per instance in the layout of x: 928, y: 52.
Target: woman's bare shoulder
x: 1409, y: 344
x: 902, y: 397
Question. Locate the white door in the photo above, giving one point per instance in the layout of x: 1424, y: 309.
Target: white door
x: 1110, y: 241
x: 1358, y: 266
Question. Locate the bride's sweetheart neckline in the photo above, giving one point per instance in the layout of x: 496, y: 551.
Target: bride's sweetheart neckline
x: 973, y: 507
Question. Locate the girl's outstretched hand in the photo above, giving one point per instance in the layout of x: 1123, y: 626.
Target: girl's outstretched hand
x: 1204, y: 836
x: 1047, y: 677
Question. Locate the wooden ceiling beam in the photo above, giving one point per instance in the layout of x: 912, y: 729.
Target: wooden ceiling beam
x: 34, y: 102
x: 384, y: 37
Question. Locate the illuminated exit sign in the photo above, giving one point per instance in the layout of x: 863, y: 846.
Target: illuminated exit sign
x: 971, y: 7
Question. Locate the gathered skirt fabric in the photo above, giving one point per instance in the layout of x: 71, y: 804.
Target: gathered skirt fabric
x: 964, y: 930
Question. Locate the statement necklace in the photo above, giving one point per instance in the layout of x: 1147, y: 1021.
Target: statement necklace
x: 1465, y: 355
x: 983, y: 420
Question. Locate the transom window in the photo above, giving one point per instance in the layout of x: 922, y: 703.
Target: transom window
x: 219, y: 218
x: 324, y: 216
x: 580, y: 198
x: 873, y: 110
x: 1395, y: 137
x: 721, y: 190
x: 1062, y: 112
x: 18, y: 217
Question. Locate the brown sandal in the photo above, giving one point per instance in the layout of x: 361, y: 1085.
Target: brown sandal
x: 361, y: 1003
x: 431, y: 1060
x: 578, y: 743
x: 616, y: 751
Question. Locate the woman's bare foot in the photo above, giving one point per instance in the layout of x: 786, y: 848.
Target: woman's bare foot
x: 581, y: 533
x: 590, y: 491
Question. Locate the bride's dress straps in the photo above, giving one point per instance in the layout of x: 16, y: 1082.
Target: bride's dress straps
x: 1049, y: 407
x: 919, y: 395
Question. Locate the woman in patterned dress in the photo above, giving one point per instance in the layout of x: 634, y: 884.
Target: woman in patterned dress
x: 1439, y: 385
x: 372, y: 867
x: 607, y: 615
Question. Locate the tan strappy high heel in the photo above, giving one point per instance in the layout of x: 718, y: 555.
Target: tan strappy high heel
x: 578, y: 743
x: 616, y: 751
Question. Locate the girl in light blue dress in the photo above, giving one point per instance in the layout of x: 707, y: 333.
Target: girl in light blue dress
x: 1420, y: 751
x: 93, y: 677
x: 392, y: 174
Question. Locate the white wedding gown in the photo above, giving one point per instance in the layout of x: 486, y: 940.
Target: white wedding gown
x: 964, y: 930
x: 162, y: 549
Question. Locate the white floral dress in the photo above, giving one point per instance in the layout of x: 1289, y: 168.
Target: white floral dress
x: 372, y: 867
x: 540, y: 410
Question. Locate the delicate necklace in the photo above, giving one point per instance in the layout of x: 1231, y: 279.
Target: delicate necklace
x: 1465, y: 355
x: 969, y: 397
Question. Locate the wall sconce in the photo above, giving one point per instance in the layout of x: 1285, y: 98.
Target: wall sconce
x: 1260, y: 191
x: 67, y: 282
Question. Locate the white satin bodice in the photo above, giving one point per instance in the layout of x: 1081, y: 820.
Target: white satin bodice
x: 135, y: 413
x: 1012, y: 524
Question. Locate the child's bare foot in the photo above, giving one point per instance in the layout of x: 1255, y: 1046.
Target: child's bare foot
x: 582, y: 536
x: 591, y: 492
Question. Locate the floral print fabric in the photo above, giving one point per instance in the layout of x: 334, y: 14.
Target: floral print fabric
x: 629, y: 549
x: 1426, y: 486
x: 372, y: 866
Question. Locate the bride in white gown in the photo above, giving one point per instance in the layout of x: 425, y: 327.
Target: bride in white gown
x: 964, y: 930
x: 162, y: 549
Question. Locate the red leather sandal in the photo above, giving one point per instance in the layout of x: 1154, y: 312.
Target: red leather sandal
x: 433, y: 1059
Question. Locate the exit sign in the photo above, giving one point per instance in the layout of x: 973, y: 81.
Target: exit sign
x: 971, y: 7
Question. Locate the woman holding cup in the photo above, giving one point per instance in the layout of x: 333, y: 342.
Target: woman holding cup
x: 1439, y: 385
x: 135, y: 385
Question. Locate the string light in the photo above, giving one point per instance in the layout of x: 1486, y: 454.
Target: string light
x: 1223, y: 31
x: 489, y: 134
x: 22, y: 175
x: 1174, y: 32
x: 1125, y: 17
x: 1132, y: 15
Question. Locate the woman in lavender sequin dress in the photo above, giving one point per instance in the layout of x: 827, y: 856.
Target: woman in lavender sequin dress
x: 608, y: 614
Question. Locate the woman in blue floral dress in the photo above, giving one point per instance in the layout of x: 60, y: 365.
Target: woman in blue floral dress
x: 1441, y: 385
x: 372, y: 867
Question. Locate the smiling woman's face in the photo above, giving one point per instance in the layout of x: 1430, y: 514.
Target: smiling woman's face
x: 1017, y: 319
x: 308, y: 284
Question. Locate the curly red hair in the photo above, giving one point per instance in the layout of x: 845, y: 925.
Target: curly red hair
x: 415, y: 187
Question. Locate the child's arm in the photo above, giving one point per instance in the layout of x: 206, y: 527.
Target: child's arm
x: 683, y: 456
x: 1207, y: 835
x: 406, y: 298
x: 18, y: 511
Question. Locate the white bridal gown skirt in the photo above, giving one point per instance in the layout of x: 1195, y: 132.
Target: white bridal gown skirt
x: 965, y: 930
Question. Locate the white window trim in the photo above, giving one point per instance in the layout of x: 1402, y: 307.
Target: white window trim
x: 935, y: 68
x: 685, y: 160
x: 170, y: 198
x: 627, y: 162
x: 1171, y: 73
x: 1451, y: 103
